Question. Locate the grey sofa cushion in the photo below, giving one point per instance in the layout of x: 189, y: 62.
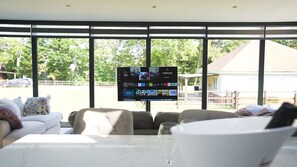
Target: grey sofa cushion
x: 49, y: 120
x: 165, y: 117
x: 142, y: 120
x: 71, y: 118
x: 29, y: 127
x: 199, y: 115
x: 145, y: 131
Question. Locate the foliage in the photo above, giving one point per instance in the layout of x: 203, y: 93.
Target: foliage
x: 15, y: 54
x: 184, y: 53
x: 68, y: 58
x: 289, y: 43
x: 62, y: 59
x: 110, y: 54
x: 218, y: 48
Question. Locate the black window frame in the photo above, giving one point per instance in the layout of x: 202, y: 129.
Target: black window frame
x: 268, y: 30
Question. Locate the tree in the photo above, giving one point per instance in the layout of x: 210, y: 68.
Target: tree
x: 184, y: 53
x: 289, y: 43
x: 68, y: 58
x: 110, y: 54
x: 56, y: 56
x: 25, y: 66
x: 14, y: 53
x: 218, y: 48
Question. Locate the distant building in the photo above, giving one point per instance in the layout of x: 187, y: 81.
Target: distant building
x: 238, y: 70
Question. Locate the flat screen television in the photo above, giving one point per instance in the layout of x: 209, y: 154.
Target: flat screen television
x: 147, y: 83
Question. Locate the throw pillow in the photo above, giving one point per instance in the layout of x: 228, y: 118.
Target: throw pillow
x: 12, y: 106
x: 243, y: 112
x: 264, y: 112
x: 254, y: 108
x: 37, y: 106
x: 18, y: 101
x: 10, y: 117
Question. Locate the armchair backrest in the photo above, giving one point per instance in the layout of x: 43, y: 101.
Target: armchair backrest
x: 103, y: 121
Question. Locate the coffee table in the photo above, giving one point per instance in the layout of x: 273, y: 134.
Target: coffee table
x: 108, y: 151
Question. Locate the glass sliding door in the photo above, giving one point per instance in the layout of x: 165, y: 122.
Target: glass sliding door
x: 15, y: 67
x: 280, y: 75
x: 110, y: 54
x: 232, y: 80
x: 186, y: 54
x: 63, y: 73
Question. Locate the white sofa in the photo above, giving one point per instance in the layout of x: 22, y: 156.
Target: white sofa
x: 35, y: 124
x: 17, y: 119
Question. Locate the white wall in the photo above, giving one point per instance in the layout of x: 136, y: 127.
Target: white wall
x: 238, y: 82
x: 283, y: 82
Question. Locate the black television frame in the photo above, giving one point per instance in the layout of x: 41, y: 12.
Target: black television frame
x: 147, y: 83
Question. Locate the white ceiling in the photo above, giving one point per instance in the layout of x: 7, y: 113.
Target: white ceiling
x: 143, y: 10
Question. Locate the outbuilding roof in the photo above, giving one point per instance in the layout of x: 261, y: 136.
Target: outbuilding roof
x: 245, y: 59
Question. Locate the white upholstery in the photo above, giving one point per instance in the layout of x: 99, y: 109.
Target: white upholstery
x: 29, y: 127
x: 4, y: 130
x: 49, y: 120
x: 53, y: 130
x: 35, y: 124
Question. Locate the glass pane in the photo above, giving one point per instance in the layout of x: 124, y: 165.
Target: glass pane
x: 280, y: 72
x: 63, y: 73
x: 110, y: 54
x: 186, y: 54
x: 15, y: 68
x: 232, y: 74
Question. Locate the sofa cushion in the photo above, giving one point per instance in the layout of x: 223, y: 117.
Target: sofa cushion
x: 255, y: 110
x: 243, y: 112
x: 145, y: 131
x: 12, y: 106
x: 220, y: 115
x: 142, y: 120
x: 19, y: 102
x: 36, y: 106
x: 103, y: 121
x: 165, y: 117
x: 29, y: 127
x: 13, y: 120
x: 71, y: 118
x: 54, y: 130
x: 49, y: 120
x: 200, y: 115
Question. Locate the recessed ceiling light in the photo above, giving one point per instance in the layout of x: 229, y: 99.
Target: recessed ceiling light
x: 234, y: 7
x: 68, y: 6
x: 154, y: 6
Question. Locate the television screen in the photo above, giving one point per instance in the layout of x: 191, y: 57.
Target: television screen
x: 147, y: 83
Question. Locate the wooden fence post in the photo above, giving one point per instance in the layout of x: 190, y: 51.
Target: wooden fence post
x: 265, y: 97
x: 236, y: 94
